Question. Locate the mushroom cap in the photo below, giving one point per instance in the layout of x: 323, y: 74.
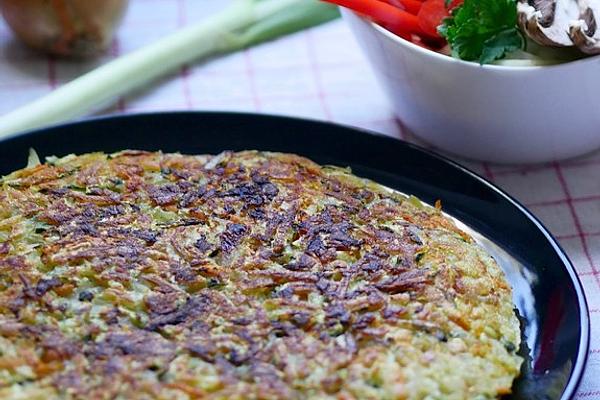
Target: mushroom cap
x: 584, y: 32
x: 547, y: 21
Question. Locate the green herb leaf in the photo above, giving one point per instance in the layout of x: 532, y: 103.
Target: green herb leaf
x: 498, y: 45
x: 483, y: 30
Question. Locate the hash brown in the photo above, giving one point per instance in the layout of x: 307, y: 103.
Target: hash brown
x: 245, y: 275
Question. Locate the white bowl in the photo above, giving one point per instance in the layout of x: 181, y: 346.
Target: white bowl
x: 491, y: 113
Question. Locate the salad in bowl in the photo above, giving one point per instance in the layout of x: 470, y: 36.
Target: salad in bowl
x: 502, y: 81
x: 504, y: 32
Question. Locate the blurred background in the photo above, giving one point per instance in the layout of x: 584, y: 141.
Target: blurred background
x: 319, y: 73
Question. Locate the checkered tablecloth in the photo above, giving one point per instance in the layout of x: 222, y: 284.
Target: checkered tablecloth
x: 319, y: 74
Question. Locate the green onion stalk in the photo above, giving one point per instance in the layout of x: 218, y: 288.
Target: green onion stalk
x: 243, y: 24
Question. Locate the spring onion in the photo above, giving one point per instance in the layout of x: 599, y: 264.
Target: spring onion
x: 243, y: 24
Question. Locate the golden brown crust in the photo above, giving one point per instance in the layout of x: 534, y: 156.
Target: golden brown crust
x: 243, y: 275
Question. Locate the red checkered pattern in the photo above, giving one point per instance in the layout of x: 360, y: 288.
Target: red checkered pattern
x: 319, y: 74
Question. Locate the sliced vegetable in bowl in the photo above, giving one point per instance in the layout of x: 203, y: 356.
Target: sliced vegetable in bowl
x: 483, y: 30
x: 413, y: 20
x: 503, y: 32
x: 494, y: 113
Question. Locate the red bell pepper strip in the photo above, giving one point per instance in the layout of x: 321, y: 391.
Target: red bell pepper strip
x: 431, y: 15
x: 412, y: 6
x: 454, y: 4
x: 385, y: 14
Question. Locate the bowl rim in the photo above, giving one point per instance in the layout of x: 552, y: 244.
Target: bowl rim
x: 469, y: 64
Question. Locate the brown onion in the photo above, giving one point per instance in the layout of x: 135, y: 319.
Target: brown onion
x: 76, y: 28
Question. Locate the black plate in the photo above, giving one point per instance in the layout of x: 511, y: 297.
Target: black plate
x: 547, y: 291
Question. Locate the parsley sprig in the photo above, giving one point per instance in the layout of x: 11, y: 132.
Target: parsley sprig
x: 483, y: 30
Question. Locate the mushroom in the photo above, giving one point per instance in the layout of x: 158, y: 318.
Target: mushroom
x: 584, y: 32
x: 547, y: 21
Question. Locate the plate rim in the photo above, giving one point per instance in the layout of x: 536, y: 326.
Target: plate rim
x: 584, y: 318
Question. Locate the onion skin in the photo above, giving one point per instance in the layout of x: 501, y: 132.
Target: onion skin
x: 69, y: 28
